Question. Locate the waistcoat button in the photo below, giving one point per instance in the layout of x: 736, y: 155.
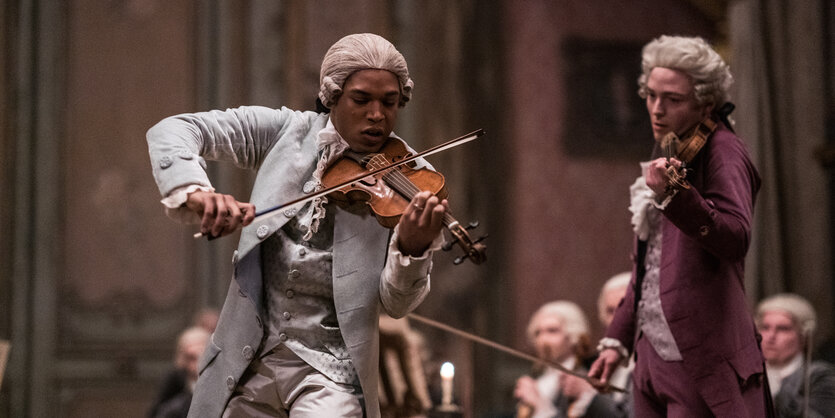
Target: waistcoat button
x: 262, y: 232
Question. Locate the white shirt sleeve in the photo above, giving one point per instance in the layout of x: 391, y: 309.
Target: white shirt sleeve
x: 405, y: 280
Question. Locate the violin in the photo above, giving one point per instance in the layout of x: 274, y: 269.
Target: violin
x: 389, y: 191
x: 684, y: 151
x: 382, y: 180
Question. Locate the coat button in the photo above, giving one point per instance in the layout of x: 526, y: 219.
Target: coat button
x: 290, y: 294
x: 282, y: 336
x: 247, y: 353
x: 290, y: 213
x: 309, y: 187
x: 262, y: 232
x: 286, y: 315
x: 165, y: 162
x: 230, y: 383
x: 294, y: 274
x: 704, y: 230
x: 185, y: 155
x: 302, y: 251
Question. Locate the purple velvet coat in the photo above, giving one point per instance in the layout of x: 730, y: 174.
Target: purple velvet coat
x: 706, y: 234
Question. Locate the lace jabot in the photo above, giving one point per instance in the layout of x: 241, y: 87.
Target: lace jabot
x: 641, y: 200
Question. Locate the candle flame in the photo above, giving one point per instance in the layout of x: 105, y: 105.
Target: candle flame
x: 447, y: 370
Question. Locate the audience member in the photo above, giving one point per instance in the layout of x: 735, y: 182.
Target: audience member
x: 610, y: 296
x: 174, y: 396
x: 586, y: 400
x: 800, y: 387
x: 558, y: 332
x: 207, y: 318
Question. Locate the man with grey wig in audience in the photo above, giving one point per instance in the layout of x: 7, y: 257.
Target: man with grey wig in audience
x: 800, y: 387
x: 298, y: 333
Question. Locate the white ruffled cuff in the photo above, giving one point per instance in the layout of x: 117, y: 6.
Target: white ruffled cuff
x: 175, y: 203
x: 406, y: 270
x: 613, y: 343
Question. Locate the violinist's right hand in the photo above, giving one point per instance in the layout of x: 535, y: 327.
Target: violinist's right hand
x: 604, y: 366
x: 221, y: 214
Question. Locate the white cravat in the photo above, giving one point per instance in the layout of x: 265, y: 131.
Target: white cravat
x: 331, y: 146
x: 776, y: 374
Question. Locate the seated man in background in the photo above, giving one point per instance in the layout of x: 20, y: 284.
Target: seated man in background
x: 587, y: 401
x: 174, y: 397
x: 559, y: 333
x: 800, y: 388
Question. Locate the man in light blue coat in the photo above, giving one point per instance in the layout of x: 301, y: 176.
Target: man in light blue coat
x: 298, y: 333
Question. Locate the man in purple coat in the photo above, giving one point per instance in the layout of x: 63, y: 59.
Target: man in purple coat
x: 685, y: 315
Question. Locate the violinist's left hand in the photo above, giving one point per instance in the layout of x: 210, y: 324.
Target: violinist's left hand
x: 657, y: 177
x: 420, y: 223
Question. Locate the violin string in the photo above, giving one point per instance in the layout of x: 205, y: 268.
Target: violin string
x: 409, y: 190
x: 401, y: 183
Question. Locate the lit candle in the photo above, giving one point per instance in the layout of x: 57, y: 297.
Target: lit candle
x: 447, y: 373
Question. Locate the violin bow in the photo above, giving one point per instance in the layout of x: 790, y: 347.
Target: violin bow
x: 452, y: 143
x: 511, y: 351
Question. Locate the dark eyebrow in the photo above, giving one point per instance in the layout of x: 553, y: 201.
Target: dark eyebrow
x: 364, y: 93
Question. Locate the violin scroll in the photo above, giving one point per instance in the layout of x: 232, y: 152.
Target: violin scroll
x: 474, y: 250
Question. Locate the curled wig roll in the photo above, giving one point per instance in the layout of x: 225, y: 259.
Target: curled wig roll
x: 362, y: 51
x: 711, y: 76
x: 800, y: 310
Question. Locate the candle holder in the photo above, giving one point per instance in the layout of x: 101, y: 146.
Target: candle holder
x: 447, y: 408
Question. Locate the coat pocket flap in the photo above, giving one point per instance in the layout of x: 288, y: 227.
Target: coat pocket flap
x: 747, y: 362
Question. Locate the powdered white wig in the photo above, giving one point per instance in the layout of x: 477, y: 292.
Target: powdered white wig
x: 712, y: 78
x: 362, y: 51
x: 619, y: 281
x: 573, y: 320
x: 797, y: 307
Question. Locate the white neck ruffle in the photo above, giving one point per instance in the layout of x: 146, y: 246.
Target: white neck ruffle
x: 641, y: 200
x: 331, y: 146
